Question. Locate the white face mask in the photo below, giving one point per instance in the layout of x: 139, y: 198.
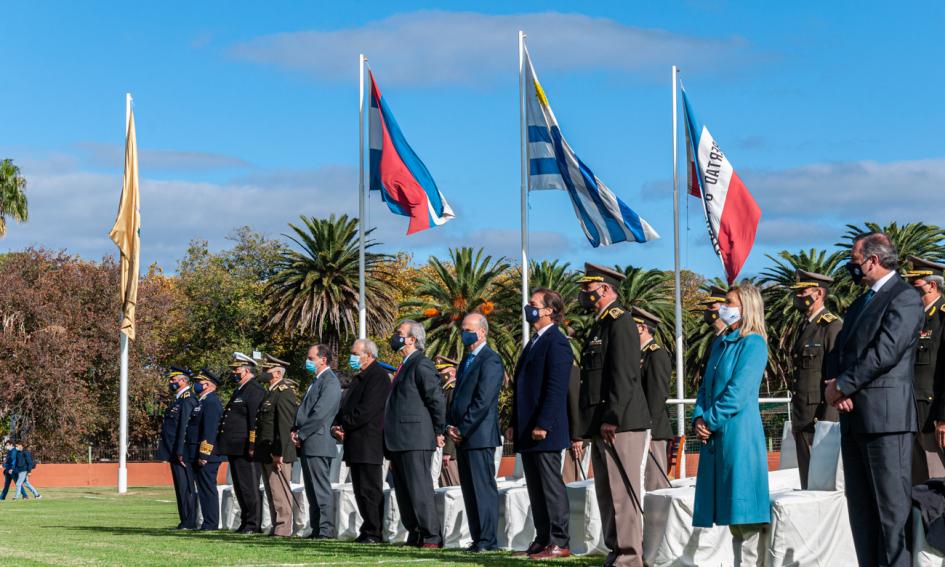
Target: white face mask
x: 729, y: 315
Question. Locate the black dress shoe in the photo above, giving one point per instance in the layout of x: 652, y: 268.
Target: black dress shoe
x: 367, y: 539
x: 533, y: 548
x: 472, y: 548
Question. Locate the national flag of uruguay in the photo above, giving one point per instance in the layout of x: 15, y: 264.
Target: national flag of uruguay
x: 396, y: 171
x: 552, y: 164
x: 730, y: 211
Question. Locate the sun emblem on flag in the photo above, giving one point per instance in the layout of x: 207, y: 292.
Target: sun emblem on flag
x: 540, y: 92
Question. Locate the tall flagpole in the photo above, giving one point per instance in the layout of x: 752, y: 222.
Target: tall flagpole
x: 524, y: 140
x: 680, y: 390
x: 123, y: 372
x: 362, y: 219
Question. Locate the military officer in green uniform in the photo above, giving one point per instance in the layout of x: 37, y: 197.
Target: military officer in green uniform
x: 656, y: 371
x: 273, y: 446
x: 815, y: 339
x: 617, y: 417
x: 710, y: 315
x: 928, y: 460
x: 449, y: 472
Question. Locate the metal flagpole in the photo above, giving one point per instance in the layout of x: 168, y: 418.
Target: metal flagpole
x: 524, y: 140
x: 123, y: 372
x: 680, y: 393
x: 362, y: 219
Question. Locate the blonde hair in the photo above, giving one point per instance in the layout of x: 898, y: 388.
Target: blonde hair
x: 752, y: 311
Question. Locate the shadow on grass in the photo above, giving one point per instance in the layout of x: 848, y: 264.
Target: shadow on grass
x: 347, y: 549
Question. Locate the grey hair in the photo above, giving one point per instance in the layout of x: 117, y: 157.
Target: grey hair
x: 483, y: 322
x: 416, y: 331
x: 880, y: 245
x: 370, y: 347
x: 939, y: 281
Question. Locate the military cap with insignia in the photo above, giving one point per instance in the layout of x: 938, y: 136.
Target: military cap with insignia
x: 920, y: 268
x: 240, y: 359
x: 443, y: 362
x: 269, y: 362
x: 805, y: 279
x: 176, y: 371
x: 595, y: 273
x: 644, y: 317
x: 716, y: 295
x: 208, y: 375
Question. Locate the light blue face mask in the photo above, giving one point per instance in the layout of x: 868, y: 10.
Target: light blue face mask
x: 310, y: 367
x: 354, y: 361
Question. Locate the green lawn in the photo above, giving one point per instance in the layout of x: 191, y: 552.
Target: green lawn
x: 96, y: 527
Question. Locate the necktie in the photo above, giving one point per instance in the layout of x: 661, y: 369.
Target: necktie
x: 868, y: 297
x: 469, y: 360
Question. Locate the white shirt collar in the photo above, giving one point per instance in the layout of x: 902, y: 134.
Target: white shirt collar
x: 882, y: 281
x: 542, y: 330
x: 181, y: 392
x: 478, y: 349
x: 814, y: 316
x: 406, y: 357
x: 324, y: 370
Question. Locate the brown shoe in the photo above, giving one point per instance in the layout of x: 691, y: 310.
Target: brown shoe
x: 533, y: 548
x: 552, y: 552
x: 431, y: 546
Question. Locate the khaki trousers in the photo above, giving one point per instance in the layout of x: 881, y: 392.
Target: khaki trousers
x: 654, y: 476
x: 621, y: 516
x: 802, y: 442
x: 279, y: 494
x: 928, y: 459
x: 749, y: 544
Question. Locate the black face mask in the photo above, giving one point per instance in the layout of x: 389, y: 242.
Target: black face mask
x: 172, y: 386
x: 532, y: 314
x: 265, y: 377
x: 803, y: 303
x: 588, y: 299
x: 235, y: 377
x: 856, y: 272
x: 710, y: 316
x: 397, y: 342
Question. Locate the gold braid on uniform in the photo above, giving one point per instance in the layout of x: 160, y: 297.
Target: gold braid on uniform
x: 613, y: 313
x: 206, y: 448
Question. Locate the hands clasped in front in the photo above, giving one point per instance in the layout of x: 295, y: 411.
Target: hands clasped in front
x: 836, y: 398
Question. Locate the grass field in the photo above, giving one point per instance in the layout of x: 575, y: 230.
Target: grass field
x: 96, y: 527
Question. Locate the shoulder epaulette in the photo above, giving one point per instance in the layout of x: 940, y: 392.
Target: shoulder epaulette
x: 185, y: 395
x: 281, y: 388
x: 651, y: 347
x: 613, y: 313
x: 828, y: 318
x: 449, y: 385
x: 932, y: 310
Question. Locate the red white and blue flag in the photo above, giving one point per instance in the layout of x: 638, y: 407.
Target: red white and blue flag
x: 731, y: 213
x: 404, y: 182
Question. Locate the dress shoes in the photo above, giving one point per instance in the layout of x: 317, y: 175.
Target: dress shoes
x: 552, y: 552
x: 533, y: 548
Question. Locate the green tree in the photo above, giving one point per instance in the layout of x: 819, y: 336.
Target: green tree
x: 13, y: 202
x: 314, y: 290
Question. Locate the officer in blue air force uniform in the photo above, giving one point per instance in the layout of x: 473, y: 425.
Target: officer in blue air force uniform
x: 171, y: 447
x: 201, y: 439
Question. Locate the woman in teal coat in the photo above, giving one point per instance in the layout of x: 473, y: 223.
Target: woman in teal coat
x: 732, y: 482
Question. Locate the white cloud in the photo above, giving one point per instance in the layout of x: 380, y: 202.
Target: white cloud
x: 112, y: 156
x: 438, y: 47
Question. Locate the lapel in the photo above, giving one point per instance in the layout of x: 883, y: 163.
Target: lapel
x: 878, y: 302
x: 461, y: 377
x: 406, y: 366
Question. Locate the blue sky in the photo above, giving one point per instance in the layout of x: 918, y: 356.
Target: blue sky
x: 247, y: 114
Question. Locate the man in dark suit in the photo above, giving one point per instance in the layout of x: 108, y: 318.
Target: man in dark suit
x: 928, y: 459
x: 236, y: 427
x: 312, y: 435
x: 872, y: 369
x: 358, y: 426
x: 656, y: 372
x: 473, y: 419
x: 414, y: 423
x: 816, y: 338
x: 540, y: 428
x: 616, y: 412
x: 201, y: 440
x: 171, y: 446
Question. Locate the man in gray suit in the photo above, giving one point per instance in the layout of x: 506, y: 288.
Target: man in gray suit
x: 871, y: 370
x: 312, y: 436
x: 414, y: 424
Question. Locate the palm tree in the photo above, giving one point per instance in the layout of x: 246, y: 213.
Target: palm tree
x: 651, y: 290
x: 782, y: 319
x: 12, y: 195
x: 468, y: 283
x: 314, y: 290
x: 912, y: 239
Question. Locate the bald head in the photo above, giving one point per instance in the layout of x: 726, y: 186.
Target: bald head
x: 475, y: 323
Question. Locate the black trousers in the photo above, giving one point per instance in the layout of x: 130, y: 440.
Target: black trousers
x: 246, y: 476
x: 186, y: 494
x: 877, y: 470
x: 548, y: 497
x: 367, y: 481
x: 207, y: 494
x: 413, y: 486
x: 480, y: 495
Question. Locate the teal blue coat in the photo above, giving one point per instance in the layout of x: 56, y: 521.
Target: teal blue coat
x: 732, y: 482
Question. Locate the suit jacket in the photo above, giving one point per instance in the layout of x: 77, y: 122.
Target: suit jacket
x: 239, y: 418
x: 874, y: 360
x: 174, y: 426
x: 657, y: 372
x: 273, y: 434
x: 202, y: 429
x: 475, y: 407
x: 362, y: 416
x: 611, y: 389
x: 542, y: 379
x: 815, y: 340
x: 929, y: 373
x: 316, y: 414
x: 416, y: 409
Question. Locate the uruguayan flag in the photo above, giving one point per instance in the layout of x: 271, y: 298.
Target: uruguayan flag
x: 553, y: 165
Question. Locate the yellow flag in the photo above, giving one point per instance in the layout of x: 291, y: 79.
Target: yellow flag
x: 127, y: 232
